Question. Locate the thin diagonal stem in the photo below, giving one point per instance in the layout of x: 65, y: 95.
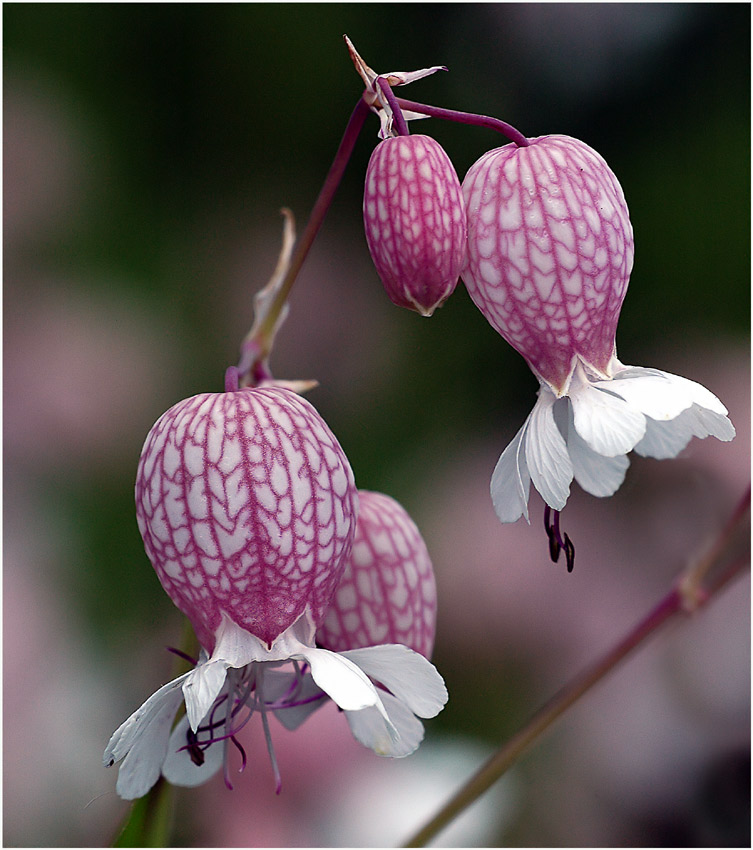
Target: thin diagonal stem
x: 675, y: 602
x: 318, y: 213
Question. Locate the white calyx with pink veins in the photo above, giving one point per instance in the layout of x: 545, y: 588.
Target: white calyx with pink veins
x: 550, y: 251
x: 247, y: 507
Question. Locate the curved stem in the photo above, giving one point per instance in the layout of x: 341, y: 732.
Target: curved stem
x: 675, y: 602
x: 466, y: 118
x: 397, y: 115
x: 260, y: 345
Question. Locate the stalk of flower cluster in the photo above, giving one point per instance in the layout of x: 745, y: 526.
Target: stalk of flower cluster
x: 465, y: 118
x: 257, y: 348
x: 725, y: 558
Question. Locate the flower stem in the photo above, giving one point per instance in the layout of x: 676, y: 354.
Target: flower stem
x: 262, y: 344
x: 397, y: 115
x: 149, y: 819
x: 465, y: 118
x: 675, y: 602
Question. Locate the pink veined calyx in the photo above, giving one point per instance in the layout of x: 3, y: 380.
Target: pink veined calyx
x: 413, y: 210
x: 414, y: 219
x: 247, y: 507
x: 550, y: 251
x: 383, y: 618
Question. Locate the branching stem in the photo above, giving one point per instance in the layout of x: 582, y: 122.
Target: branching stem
x: 260, y: 346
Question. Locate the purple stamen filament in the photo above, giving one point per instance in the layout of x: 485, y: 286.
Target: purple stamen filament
x: 558, y: 542
x: 184, y: 655
x: 243, y: 698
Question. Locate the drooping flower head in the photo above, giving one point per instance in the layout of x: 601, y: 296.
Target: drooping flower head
x: 550, y: 251
x: 247, y: 506
x: 414, y: 218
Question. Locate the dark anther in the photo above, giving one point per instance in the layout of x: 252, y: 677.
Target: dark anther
x: 556, y: 541
x: 196, y: 753
x: 569, y: 553
x: 194, y: 750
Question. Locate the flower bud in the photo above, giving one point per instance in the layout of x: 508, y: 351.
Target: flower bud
x: 247, y: 505
x: 550, y: 250
x: 387, y: 593
x: 414, y: 218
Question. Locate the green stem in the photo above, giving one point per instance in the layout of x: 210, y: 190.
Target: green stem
x: 149, y: 820
x: 675, y: 602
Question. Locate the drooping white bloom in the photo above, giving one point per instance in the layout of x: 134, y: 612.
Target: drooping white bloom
x: 247, y: 506
x: 586, y: 434
x: 550, y: 251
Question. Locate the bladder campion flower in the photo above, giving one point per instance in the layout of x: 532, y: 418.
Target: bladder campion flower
x: 414, y: 217
x: 247, y: 506
x: 550, y: 251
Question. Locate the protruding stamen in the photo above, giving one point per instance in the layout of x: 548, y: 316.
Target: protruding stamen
x: 556, y: 540
x: 240, y: 749
x: 184, y: 655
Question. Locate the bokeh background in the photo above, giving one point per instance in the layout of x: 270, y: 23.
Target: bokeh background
x: 147, y: 151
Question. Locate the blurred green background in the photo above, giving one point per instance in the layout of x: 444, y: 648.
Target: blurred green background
x: 148, y: 149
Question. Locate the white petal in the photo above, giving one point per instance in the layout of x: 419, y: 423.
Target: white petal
x: 339, y: 677
x: 179, y: 769
x: 706, y: 423
x: 696, y: 392
x: 665, y: 439
x: 302, y: 697
x: 411, y: 678
x: 596, y: 474
x: 401, y: 78
x: 235, y: 647
x: 606, y: 422
x: 201, y: 688
x: 126, y: 735
x: 368, y: 728
x: 546, y: 453
x: 658, y: 394
x: 511, y: 483
x: 668, y: 439
x: 143, y: 762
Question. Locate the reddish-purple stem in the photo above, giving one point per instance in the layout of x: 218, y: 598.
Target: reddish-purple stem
x: 465, y: 118
x: 257, y: 350
x: 398, y: 118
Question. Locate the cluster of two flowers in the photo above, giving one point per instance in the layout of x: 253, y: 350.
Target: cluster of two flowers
x: 540, y: 234
x: 299, y: 587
